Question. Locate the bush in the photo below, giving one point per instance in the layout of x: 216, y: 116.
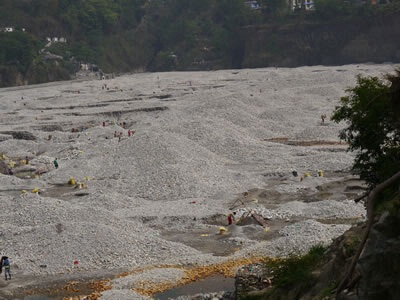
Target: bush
x: 296, y: 269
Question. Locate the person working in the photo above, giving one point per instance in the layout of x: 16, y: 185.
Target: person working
x: 55, y: 162
x: 5, y: 263
x: 231, y: 218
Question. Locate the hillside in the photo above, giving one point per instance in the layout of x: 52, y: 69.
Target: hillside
x: 52, y: 39
x: 338, y: 42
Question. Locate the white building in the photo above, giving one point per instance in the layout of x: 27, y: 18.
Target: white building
x: 253, y: 4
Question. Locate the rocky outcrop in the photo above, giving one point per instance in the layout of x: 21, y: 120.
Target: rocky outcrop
x: 379, y: 266
x: 250, y: 279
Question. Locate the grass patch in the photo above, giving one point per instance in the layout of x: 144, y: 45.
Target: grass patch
x: 292, y: 276
x: 296, y: 269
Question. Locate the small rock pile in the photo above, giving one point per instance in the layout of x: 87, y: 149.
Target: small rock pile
x: 250, y: 278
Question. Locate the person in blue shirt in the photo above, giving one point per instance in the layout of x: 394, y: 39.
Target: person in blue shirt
x: 5, y: 263
x: 55, y: 162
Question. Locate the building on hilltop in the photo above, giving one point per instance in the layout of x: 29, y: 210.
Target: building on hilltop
x: 11, y: 29
x: 253, y: 4
x: 309, y: 5
x: 8, y: 29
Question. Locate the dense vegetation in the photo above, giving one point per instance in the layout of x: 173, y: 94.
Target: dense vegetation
x: 373, y: 131
x: 126, y: 35
x: 295, y: 272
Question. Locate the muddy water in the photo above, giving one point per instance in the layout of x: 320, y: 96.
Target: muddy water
x: 224, y: 245
x: 212, y: 284
x: 63, y: 192
x: 206, y: 242
x: 249, y: 229
x: 37, y: 297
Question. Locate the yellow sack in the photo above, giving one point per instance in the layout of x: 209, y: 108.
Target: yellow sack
x: 72, y: 181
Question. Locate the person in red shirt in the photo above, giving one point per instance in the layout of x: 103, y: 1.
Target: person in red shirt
x: 231, y: 218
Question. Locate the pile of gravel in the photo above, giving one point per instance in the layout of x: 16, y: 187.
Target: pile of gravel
x: 218, y: 138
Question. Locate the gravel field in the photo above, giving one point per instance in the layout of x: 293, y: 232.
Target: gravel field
x: 204, y: 144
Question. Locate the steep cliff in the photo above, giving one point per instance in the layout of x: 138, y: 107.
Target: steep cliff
x: 339, y: 42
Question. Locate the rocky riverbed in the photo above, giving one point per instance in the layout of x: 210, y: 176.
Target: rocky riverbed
x: 150, y: 166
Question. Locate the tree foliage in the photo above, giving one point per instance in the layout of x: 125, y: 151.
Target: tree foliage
x: 275, y: 8
x: 372, y: 130
x: 17, y: 48
x: 371, y: 111
x: 123, y: 35
x: 89, y: 15
x: 333, y: 8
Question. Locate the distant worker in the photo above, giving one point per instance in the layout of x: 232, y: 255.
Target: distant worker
x: 55, y: 162
x: 5, y: 263
x: 231, y: 218
x: 323, y: 117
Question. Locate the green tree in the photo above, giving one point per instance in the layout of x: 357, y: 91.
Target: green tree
x: 89, y: 15
x: 130, y: 13
x: 333, y: 9
x: 275, y: 8
x: 17, y: 48
x: 371, y: 132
